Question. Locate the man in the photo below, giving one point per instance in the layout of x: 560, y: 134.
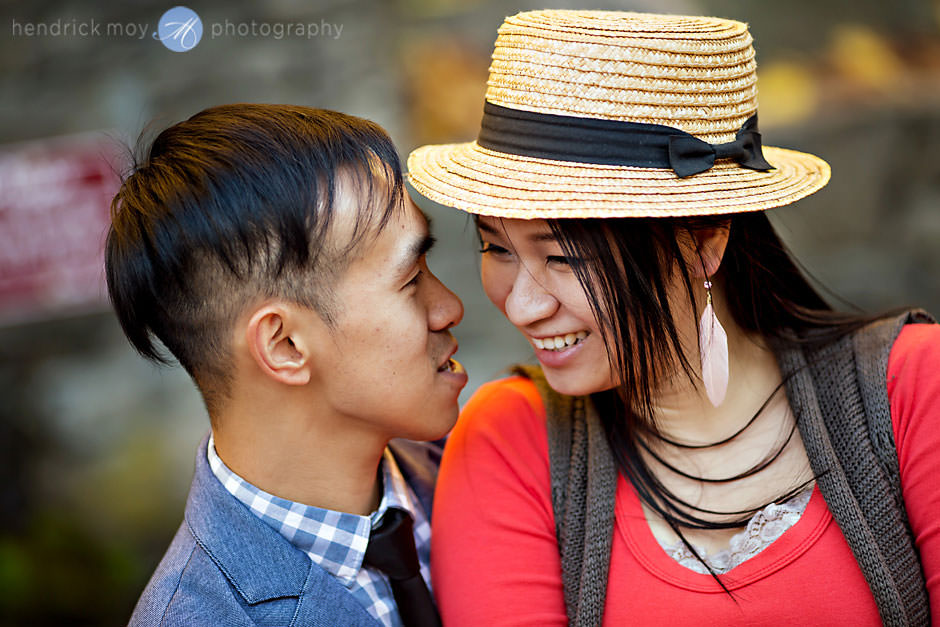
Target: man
x: 272, y: 251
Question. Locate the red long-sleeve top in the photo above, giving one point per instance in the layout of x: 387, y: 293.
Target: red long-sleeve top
x: 495, y: 559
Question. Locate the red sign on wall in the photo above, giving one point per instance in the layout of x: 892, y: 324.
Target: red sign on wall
x: 55, y: 200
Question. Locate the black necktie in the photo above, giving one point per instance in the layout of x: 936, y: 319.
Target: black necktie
x: 392, y: 551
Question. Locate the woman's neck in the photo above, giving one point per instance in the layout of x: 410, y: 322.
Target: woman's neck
x: 682, y: 409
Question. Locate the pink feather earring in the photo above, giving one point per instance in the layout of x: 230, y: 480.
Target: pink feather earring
x: 713, y: 347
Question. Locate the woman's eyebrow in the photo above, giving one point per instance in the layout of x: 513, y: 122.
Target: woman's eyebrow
x: 544, y: 236
x: 486, y: 228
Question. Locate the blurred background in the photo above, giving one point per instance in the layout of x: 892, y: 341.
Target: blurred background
x: 96, y: 445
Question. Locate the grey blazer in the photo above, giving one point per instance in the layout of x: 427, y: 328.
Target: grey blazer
x: 225, y: 567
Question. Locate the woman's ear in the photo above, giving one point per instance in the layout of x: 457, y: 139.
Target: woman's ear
x: 707, y: 251
x: 276, y: 340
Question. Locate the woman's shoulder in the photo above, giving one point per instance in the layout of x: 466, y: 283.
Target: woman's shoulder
x: 499, y: 437
x: 913, y: 384
x: 914, y: 360
x: 507, y: 412
x: 917, y: 340
x: 509, y: 395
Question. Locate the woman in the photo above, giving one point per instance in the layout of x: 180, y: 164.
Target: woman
x: 714, y: 444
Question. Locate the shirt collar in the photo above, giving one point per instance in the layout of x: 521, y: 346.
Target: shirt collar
x: 335, y: 541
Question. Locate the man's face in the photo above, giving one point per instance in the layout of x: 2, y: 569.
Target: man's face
x: 389, y: 364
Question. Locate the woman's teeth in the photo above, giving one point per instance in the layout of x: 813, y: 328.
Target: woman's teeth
x: 559, y: 342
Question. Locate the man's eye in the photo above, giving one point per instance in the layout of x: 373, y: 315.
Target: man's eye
x: 414, y: 279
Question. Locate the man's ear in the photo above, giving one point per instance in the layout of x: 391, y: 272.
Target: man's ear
x: 277, y: 337
x: 707, y: 251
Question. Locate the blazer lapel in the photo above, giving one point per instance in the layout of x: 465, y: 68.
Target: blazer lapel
x: 261, y: 564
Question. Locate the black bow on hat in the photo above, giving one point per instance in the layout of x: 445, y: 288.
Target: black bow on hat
x: 690, y: 155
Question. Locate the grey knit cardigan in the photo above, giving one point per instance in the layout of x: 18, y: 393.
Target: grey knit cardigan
x: 839, y: 397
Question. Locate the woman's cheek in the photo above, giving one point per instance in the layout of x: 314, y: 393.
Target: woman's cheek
x: 495, y: 286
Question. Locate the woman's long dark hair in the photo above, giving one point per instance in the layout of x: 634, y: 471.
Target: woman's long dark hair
x: 625, y: 267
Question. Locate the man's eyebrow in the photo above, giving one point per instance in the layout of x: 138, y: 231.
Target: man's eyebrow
x: 417, y: 248
x: 423, y: 246
x: 426, y: 243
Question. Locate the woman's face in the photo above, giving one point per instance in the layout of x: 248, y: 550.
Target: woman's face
x: 526, y: 275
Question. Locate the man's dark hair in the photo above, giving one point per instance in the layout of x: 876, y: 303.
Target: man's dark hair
x: 232, y: 206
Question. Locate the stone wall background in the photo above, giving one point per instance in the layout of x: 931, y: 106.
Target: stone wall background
x: 96, y: 445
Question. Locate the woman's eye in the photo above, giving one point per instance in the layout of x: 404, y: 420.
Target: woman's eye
x: 493, y: 249
x: 563, y: 262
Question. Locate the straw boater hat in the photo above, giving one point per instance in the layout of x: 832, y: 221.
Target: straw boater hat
x: 610, y: 114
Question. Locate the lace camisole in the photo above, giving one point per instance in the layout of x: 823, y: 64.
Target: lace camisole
x: 762, y: 530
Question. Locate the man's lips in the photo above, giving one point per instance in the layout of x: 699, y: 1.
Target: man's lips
x: 448, y: 363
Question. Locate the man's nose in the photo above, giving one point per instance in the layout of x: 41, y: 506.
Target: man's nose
x: 445, y: 309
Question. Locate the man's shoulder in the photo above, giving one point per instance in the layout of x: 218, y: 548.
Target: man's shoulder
x: 222, y: 565
x: 225, y: 566
x: 191, y: 589
x: 187, y: 588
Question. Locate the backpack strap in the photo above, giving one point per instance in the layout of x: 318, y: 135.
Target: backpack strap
x: 584, y: 483
x: 839, y: 395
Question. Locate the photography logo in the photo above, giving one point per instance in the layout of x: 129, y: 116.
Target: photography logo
x: 179, y: 29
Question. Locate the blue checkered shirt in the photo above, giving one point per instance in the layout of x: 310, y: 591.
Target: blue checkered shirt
x: 337, y: 541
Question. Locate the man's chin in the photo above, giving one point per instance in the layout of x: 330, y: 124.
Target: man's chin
x: 438, y: 420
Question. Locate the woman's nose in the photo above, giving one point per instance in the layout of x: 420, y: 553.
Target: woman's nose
x: 528, y: 300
